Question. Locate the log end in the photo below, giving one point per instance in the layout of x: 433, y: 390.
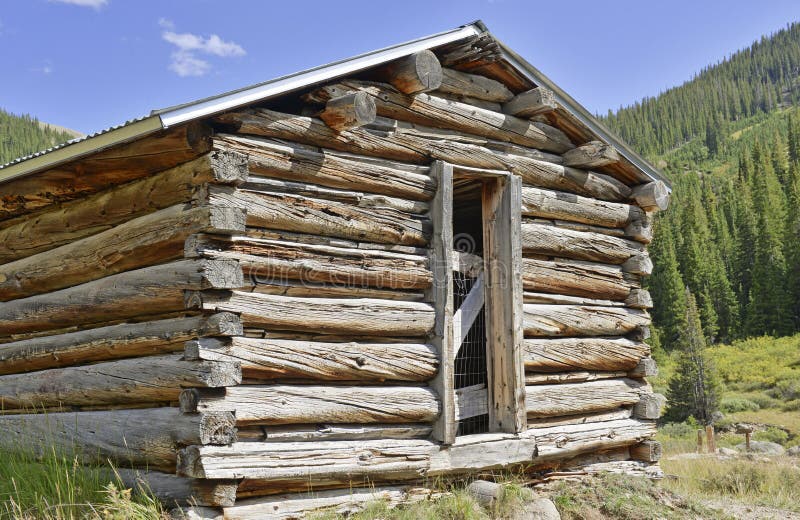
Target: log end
x: 223, y: 324
x: 218, y: 428
x: 189, y: 462
x: 416, y: 73
x: 229, y: 167
x: 647, y: 451
x: 649, y: 406
x: 647, y: 367
x: 653, y: 196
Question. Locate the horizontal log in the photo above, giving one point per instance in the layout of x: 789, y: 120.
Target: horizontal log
x: 562, y: 443
x: 146, y: 437
x: 560, y: 299
x: 325, y: 361
x: 404, y: 460
x: 577, y: 226
x: 533, y: 102
x: 323, y: 217
x: 303, y: 238
x: 148, y: 240
x: 418, y: 72
x: 302, y: 404
x: 574, y: 278
x: 356, y: 198
x: 577, y: 320
x: 344, y: 502
x: 110, y: 167
x: 174, y: 491
x: 594, y: 417
x: 359, y: 315
x: 302, y: 289
x: 420, y: 146
x: 407, y: 460
x: 264, y: 259
x: 653, y: 196
x: 298, y: 163
x: 58, y: 225
x: 430, y: 110
x: 570, y: 377
x: 152, y: 379
x: 148, y: 291
x: 593, y: 154
x: 332, y: 432
x: 468, y: 85
x: 349, y: 111
x: 538, y: 202
x: 566, y: 243
x: 567, y: 354
x: 126, y: 340
x: 578, y: 398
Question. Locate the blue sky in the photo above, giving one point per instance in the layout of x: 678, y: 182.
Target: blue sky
x: 87, y: 64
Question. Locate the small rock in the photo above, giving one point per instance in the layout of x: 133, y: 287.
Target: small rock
x: 717, y: 417
x: 794, y: 451
x: 763, y: 447
x: 539, y: 509
x: 727, y: 452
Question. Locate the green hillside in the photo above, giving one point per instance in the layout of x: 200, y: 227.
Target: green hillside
x: 729, y: 140
x: 23, y: 135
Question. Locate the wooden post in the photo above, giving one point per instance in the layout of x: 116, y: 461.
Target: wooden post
x: 747, y: 441
x: 712, y: 445
x: 441, y: 296
x: 502, y: 200
x: 699, y: 440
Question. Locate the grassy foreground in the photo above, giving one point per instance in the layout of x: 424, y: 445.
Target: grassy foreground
x: 56, y: 487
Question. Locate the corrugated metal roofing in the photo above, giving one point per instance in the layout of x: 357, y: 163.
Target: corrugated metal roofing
x: 164, y: 118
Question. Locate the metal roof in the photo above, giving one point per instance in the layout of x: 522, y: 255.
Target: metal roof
x: 164, y: 118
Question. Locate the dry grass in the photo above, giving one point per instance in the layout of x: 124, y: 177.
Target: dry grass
x: 56, y: 487
x: 773, y: 483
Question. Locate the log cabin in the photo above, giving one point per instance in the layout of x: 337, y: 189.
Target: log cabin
x: 423, y: 262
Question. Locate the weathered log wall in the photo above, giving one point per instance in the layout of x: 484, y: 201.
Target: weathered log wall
x: 214, y: 311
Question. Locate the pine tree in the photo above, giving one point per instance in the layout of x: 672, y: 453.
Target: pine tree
x: 694, y: 389
x: 666, y: 286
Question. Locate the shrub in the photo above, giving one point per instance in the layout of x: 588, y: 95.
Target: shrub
x: 791, y: 406
x: 737, y: 404
x: 772, y: 434
x: 787, y: 389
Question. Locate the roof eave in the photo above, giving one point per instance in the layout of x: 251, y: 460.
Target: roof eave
x: 583, y: 115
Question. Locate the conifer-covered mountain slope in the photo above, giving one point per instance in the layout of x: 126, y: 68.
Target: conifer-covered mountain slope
x: 729, y: 140
x: 753, y: 81
x: 23, y: 135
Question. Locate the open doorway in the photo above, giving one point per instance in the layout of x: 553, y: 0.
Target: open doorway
x: 470, y: 374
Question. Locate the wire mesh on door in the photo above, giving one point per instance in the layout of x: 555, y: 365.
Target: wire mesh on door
x: 470, y: 362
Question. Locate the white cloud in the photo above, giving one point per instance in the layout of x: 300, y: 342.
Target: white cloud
x: 166, y: 24
x: 185, y: 60
x: 187, y: 64
x: 95, y: 4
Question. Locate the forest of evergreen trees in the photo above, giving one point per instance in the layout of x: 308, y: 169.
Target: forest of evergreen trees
x: 730, y: 140
x: 750, y: 82
x: 22, y: 135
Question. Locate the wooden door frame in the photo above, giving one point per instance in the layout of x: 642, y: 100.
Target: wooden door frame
x: 501, y: 213
x: 502, y: 256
